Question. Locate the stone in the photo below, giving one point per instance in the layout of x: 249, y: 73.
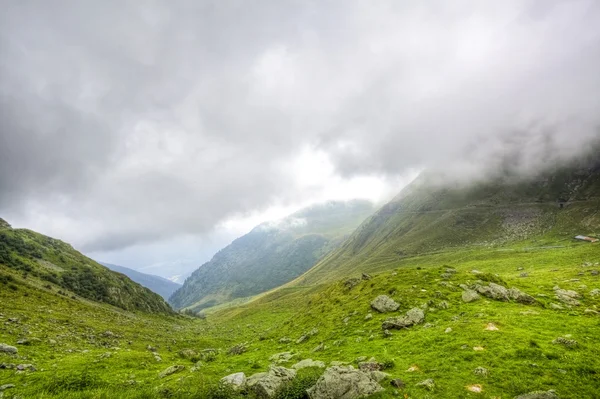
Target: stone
x: 519, y: 296
x: 319, y: 348
x: 491, y: 327
x: 591, y: 311
x: 443, y: 305
x: 556, y: 306
x: 308, y: 363
x: 187, y: 353
x: 369, y: 316
x: 235, y: 380
x: 524, y: 274
x: 370, y: 366
x: 238, y: 349
x: 571, y: 343
x: 481, y: 371
x: 469, y: 296
x: 568, y: 297
x: 448, y: 330
x: 302, y: 339
x: 6, y: 386
x: 384, y: 304
x: 265, y: 385
x: 4, y: 348
x: 397, y: 383
x: 351, y: 283
x: 539, y: 395
x: 379, y: 375
x: 413, y: 317
x: 285, y: 340
x: 493, y: 291
x: 365, y: 276
x: 595, y: 292
x: 24, y: 367
x: 344, y: 383
x: 171, y: 370
x: 281, y: 357
x: 595, y: 272
x: 428, y: 384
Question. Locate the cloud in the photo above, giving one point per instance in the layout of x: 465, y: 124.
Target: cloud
x: 127, y: 123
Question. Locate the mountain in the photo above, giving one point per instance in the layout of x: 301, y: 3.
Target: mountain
x: 160, y: 285
x: 435, y: 214
x: 51, y: 264
x: 272, y: 254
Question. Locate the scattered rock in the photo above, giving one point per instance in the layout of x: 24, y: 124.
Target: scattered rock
x: 556, y: 306
x: 365, y: 276
x: 571, y: 343
x: 379, y: 375
x: 443, y: 305
x: 413, y: 317
x: 319, y: 348
x: 448, y: 330
x: 285, y: 340
x: 524, y: 275
x: 469, y: 296
x: 428, y: 384
x: 171, y: 370
x: 6, y: 386
x: 519, y: 296
x: 595, y: 292
x: 539, y: 395
x: 344, y: 383
x: 369, y: 316
x: 24, y: 367
x: 493, y: 291
x: 474, y: 388
x: 8, y: 349
x: 351, y: 283
x: 235, y: 380
x: 491, y: 327
x: 281, y: 357
x: 238, y: 349
x: 387, y: 333
x: 478, y: 348
x: 481, y: 371
x: 187, y: 353
x: 308, y: 363
x: 591, y: 311
x: 568, y: 297
x: 370, y: 366
x: 265, y: 385
x: 384, y: 304
x: 302, y: 339
x: 397, y: 383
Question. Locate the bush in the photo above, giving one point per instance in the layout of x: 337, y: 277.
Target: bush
x: 296, y: 389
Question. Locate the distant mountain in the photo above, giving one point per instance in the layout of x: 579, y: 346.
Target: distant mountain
x: 434, y: 214
x: 160, y: 285
x: 272, y: 254
x: 50, y: 264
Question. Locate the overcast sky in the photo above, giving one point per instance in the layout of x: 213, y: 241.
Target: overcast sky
x: 153, y: 132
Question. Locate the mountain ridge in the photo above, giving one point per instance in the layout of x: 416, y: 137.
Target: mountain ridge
x: 157, y: 284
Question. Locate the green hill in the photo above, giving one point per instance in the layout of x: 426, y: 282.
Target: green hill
x: 51, y: 264
x: 270, y: 255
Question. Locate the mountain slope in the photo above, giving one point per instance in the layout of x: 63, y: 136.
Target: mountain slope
x: 50, y: 264
x: 160, y: 285
x: 270, y: 255
x: 429, y: 216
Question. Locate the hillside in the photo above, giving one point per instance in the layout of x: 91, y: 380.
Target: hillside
x: 160, y: 285
x: 270, y: 255
x: 429, y: 216
x: 50, y: 264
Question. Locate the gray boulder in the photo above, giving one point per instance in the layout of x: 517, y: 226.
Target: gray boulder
x: 384, y: 304
x: 8, y: 349
x: 493, y: 291
x: 413, y: 316
x: 519, y: 296
x: 6, y: 386
x: 469, y: 296
x: 171, y: 370
x: 539, y: 395
x: 568, y: 297
x: 344, y: 383
x: 235, y: 380
x: 308, y: 363
x: 265, y: 385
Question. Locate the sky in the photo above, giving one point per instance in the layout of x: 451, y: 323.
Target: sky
x: 151, y: 133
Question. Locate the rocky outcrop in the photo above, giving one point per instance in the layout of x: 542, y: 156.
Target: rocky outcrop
x: 8, y: 349
x: 412, y: 317
x: 308, y: 363
x: 265, y: 385
x: 384, y: 304
x: 344, y: 383
x: 539, y: 395
x: 568, y: 297
x: 171, y: 370
x: 469, y: 296
x: 235, y: 380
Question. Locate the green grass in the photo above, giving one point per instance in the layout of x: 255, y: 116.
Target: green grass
x: 520, y: 356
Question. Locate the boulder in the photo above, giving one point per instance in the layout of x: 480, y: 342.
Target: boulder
x: 344, y: 383
x: 397, y: 383
x: 281, y: 357
x: 235, y: 380
x: 370, y: 366
x: 6, y: 386
x: 413, y: 316
x: 265, y: 385
x: 171, y: 370
x: 493, y: 291
x: 8, y: 349
x: 539, y: 395
x: 308, y: 363
x: 384, y: 304
x: 519, y: 296
x: 469, y: 296
x: 428, y: 384
x: 568, y: 297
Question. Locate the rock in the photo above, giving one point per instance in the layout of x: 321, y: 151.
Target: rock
x: 365, y: 276
x: 387, y: 333
x: 397, y: 383
x: 308, y: 363
x: 171, y: 370
x: 469, y: 296
x: 281, y: 357
x: 369, y: 316
x: 568, y: 297
x: 302, y: 339
x: 446, y: 276
x: 379, y: 375
x: 52, y: 342
x: 384, y: 304
x: 448, y: 330
x: 6, y: 386
x: 235, y: 380
x: 187, y: 353
x: 285, y: 340
x: 351, y: 283
x: 338, y: 363
x: 197, y: 366
x: 591, y: 311
x: 428, y: 384
x: 556, y: 306
x: 413, y: 316
x: 237, y: 349
x: 493, y: 291
x: 539, y: 395
x: 482, y: 371
x: 23, y: 367
x: 519, y: 296
x: 443, y: 305
x: 524, y: 275
x: 319, y: 348
x: 265, y: 385
x: 157, y: 357
x: 571, y: 343
x: 344, y: 383
x: 4, y: 348
x: 595, y: 292
x: 370, y: 366
x: 491, y: 327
